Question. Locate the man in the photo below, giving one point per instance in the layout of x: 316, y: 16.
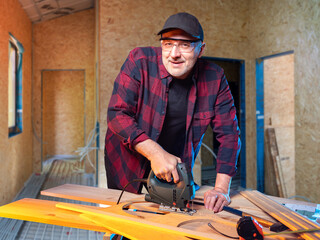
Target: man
x: 162, y: 103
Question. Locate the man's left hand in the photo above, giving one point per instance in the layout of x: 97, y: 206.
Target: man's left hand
x: 215, y: 200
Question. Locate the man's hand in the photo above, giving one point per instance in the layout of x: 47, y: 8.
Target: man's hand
x: 215, y: 199
x: 163, y: 164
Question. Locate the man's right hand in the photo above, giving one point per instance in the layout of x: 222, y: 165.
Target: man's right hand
x: 163, y: 164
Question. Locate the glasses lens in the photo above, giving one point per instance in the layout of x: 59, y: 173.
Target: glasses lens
x: 184, y: 46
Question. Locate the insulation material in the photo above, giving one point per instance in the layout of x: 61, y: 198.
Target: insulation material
x: 279, y: 113
x: 65, y: 43
x: 63, y: 108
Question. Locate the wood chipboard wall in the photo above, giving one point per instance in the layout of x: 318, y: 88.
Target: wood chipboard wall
x: 63, y: 109
x: 245, y: 30
x: 15, y: 152
x: 280, y: 26
x: 126, y: 24
x: 64, y: 43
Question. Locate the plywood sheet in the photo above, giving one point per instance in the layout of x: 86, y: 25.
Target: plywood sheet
x: 63, y: 109
x: 15, y: 152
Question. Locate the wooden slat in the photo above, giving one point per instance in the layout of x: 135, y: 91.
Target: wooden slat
x: 89, y: 194
x: 43, y: 211
x: 291, y: 219
x: 138, y: 228
x: 273, y: 151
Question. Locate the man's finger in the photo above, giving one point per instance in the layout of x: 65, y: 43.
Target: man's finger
x: 175, y: 175
x: 218, y: 204
x: 168, y: 177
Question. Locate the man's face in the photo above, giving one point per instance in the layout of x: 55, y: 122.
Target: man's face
x: 179, y: 64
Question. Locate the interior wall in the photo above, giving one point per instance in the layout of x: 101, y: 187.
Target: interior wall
x: 245, y: 30
x: 280, y: 26
x: 63, y: 107
x: 126, y: 24
x: 15, y: 152
x: 64, y: 43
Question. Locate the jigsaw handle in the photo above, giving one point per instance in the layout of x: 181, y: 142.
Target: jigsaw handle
x: 170, y: 193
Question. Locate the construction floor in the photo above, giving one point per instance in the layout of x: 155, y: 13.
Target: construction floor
x: 58, y: 172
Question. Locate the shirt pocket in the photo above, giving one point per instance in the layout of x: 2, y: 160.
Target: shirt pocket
x: 201, y: 121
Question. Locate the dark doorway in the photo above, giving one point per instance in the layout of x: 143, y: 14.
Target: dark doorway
x: 234, y: 71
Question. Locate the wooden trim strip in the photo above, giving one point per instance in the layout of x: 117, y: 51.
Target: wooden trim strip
x: 89, y: 194
x: 291, y: 219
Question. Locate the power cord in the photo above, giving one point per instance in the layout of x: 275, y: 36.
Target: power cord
x: 135, y: 180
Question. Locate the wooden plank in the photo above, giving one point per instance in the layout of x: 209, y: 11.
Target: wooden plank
x: 273, y: 153
x: 89, y: 194
x: 138, y: 228
x: 43, y: 211
x: 132, y: 224
x: 291, y: 219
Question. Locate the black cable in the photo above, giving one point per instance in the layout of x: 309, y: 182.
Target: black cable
x: 134, y: 180
x: 210, y: 225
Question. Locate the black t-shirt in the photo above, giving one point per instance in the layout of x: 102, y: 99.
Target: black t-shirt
x: 172, y: 137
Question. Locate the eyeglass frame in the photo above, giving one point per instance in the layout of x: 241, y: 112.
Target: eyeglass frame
x: 183, y: 40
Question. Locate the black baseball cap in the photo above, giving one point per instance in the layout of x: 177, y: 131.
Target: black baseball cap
x: 185, y: 22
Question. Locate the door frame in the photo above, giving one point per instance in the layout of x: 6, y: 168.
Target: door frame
x: 260, y: 116
x: 84, y: 104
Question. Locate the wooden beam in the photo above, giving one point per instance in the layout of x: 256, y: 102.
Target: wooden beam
x: 273, y: 153
x: 291, y: 219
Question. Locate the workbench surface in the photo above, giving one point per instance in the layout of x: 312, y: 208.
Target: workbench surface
x: 110, y: 218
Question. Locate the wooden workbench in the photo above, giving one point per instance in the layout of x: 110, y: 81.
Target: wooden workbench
x: 139, y: 225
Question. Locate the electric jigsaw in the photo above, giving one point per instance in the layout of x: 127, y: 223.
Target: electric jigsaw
x: 173, y: 197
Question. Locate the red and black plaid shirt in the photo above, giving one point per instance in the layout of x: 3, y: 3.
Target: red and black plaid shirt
x: 137, y: 110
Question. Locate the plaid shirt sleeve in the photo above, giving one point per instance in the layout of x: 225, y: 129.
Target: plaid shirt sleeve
x: 225, y: 127
x: 123, y: 105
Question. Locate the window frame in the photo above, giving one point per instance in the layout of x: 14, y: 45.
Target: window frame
x: 16, y: 89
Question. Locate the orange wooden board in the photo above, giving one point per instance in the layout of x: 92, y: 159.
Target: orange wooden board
x: 135, y: 225
x: 44, y: 211
x: 143, y: 226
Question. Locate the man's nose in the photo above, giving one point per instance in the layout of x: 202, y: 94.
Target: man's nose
x: 175, y: 51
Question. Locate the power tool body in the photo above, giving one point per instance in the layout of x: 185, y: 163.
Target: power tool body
x: 173, y: 197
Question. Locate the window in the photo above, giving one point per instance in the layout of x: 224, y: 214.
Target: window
x: 15, y: 87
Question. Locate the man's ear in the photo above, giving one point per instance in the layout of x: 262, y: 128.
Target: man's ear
x: 203, y: 45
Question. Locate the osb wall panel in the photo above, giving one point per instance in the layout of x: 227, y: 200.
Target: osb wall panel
x: 127, y: 24
x: 279, y: 114
x: 63, y: 109
x: 15, y: 152
x: 279, y: 26
x: 64, y: 43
